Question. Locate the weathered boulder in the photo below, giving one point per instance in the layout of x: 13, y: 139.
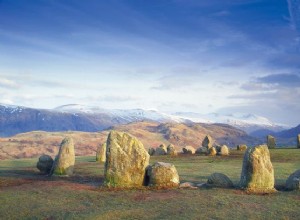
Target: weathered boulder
x: 45, y: 164
x: 293, y: 182
x: 151, y: 151
x: 162, y: 175
x: 212, y: 151
x: 207, y: 142
x: 219, y: 180
x: 126, y: 161
x: 271, y: 142
x: 188, y: 150
x: 201, y: 150
x: 257, y: 172
x: 65, y: 160
x: 101, y: 153
x: 161, y: 150
x: 298, y: 141
x: 223, y: 151
x: 171, y: 150
x: 241, y: 147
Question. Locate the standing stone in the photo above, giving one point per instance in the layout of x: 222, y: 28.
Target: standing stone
x: 101, y: 153
x: 45, y: 164
x: 151, y: 151
x: 161, y: 150
x: 188, y: 150
x: 223, y: 151
x: 126, y: 161
x: 212, y: 151
x: 257, y: 172
x: 241, y: 147
x: 65, y: 160
x: 171, y: 150
x: 293, y: 182
x: 163, y: 175
x: 207, y: 142
x: 271, y: 142
x: 298, y: 141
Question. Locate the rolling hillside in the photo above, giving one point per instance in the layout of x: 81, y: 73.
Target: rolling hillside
x: 152, y: 134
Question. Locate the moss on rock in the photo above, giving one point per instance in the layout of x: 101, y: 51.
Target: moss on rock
x: 257, y: 172
x: 163, y: 175
x: 65, y: 160
x: 126, y: 161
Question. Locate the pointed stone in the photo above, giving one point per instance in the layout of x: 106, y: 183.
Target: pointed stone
x: 207, y: 142
x: 65, y: 160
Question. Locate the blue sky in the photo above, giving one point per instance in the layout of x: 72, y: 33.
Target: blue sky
x: 172, y: 55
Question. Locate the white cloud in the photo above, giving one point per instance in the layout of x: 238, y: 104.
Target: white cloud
x: 7, y: 83
x: 6, y: 101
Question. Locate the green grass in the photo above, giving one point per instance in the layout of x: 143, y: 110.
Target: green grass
x: 25, y: 194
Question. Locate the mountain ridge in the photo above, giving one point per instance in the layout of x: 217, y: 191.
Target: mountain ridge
x: 18, y: 119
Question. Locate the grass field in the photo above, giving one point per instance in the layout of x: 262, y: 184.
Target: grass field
x: 25, y: 194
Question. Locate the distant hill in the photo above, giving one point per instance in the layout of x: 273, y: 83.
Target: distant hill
x: 262, y: 133
x: 152, y: 134
x: 16, y: 119
x: 289, y: 133
x: 283, y: 138
x: 74, y: 117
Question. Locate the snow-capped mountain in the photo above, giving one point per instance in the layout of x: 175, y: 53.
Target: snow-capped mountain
x: 128, y: 115
x: 246, y: 122
x: 16, y: 119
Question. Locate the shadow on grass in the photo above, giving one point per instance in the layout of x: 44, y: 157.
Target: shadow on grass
x: 25, y: 176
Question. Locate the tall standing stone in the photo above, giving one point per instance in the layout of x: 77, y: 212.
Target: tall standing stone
x: 126, y: 161
x: 101, y: 153
x: 207, y: 142
x: 271, y: 142
x: 65, y: 160
x: 257, y: 172
x: 298, y: 141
